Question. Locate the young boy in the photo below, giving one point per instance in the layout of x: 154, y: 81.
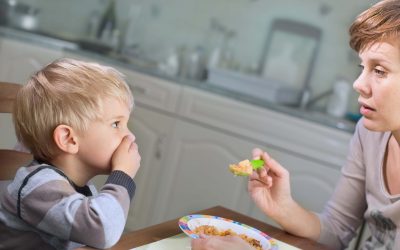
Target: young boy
x: 73, y: 117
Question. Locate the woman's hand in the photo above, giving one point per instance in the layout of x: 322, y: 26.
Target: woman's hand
x: 269, y: 187
x: 220, y: 243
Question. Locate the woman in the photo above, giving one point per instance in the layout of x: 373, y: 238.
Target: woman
x: 369, y: 187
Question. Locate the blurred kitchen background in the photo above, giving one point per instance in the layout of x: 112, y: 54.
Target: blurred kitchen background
x: 215, y: 39
x: 212, y: 79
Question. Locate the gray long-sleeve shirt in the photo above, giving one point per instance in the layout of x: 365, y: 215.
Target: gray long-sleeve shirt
x: 43, y: 209
x: 361, y: 194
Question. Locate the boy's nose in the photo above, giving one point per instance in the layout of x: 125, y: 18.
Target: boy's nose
x: 131, y: 135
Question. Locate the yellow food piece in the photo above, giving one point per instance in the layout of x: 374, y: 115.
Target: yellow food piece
x: 243, y: 168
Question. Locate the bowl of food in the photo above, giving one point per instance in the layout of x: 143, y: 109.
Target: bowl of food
x: 196, y: 224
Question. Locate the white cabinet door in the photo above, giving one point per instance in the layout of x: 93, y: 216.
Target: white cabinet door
x: 312, y: 183
x: 195, y: 175
x: 18, y: 60
x: 153, y: 136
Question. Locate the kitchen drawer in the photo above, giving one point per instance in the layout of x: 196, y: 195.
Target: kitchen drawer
x: 152, y: 91
x: 273, y: 129
x: 147, y: 90
x: 18, y: 60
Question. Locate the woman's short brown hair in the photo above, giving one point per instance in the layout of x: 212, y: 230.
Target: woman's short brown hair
x: 66, y: 91
x: 381, y: 22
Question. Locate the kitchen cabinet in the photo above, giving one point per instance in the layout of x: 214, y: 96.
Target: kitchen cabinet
x: 196, y: 175
x: 187, y: 137
x: 312, y: 183
x: 152, y: 121
x: 293, y: 135
x: 152, y: 131
x: 213, y: 131
x: 18, y: 60
x: 153, y: 92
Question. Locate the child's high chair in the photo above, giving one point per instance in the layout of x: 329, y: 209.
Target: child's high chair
x: 10, y: 160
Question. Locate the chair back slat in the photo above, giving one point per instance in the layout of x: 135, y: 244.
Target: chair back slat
x: 8, y: 92
x: 10, y: 160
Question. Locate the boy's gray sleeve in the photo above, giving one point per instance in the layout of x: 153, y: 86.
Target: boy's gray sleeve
x: 50, y: 204
x: 105, y: 214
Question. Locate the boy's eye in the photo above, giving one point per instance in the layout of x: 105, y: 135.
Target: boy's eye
x: 115, y: 124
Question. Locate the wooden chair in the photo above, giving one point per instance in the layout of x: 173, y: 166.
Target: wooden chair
x: 10, y: 160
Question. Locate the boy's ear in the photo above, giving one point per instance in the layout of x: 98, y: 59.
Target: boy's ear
x: 65, y: 139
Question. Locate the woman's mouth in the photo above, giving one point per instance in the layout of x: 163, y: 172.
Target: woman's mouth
x: 366, y: 110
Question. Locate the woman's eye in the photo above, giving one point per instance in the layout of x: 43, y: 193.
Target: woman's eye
x: 115, y: 124
x: 379, y: 72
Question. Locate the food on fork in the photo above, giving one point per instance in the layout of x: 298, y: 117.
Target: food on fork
x: 212, y: 230
x: 246, y: 167
x: 243, y: 168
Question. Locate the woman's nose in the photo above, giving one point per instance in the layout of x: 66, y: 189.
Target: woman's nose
x: 361, y: 86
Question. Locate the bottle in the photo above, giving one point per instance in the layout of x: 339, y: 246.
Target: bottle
x: 337, y: 104
x: 214, y: 58
x: 227, y: 60
x: 93, y: 25
x: 196, y: 64
x: 108, y: 22
x: 213, y: 42
x: 171, y: 64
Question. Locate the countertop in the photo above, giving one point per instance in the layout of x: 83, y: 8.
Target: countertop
x: 69, y: 45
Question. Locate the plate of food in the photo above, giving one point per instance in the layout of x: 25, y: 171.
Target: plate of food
x: 196, y: 224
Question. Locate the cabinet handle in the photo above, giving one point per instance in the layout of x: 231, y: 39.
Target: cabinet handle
x: 159, y: 146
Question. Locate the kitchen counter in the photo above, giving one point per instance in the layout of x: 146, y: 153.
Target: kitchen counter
x: 72, y: 46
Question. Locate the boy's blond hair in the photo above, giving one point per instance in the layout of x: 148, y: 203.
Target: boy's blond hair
x: 381, y: 22
x: 66, y: 92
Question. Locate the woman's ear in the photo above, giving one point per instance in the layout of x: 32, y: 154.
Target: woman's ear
x: 65, y: 138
